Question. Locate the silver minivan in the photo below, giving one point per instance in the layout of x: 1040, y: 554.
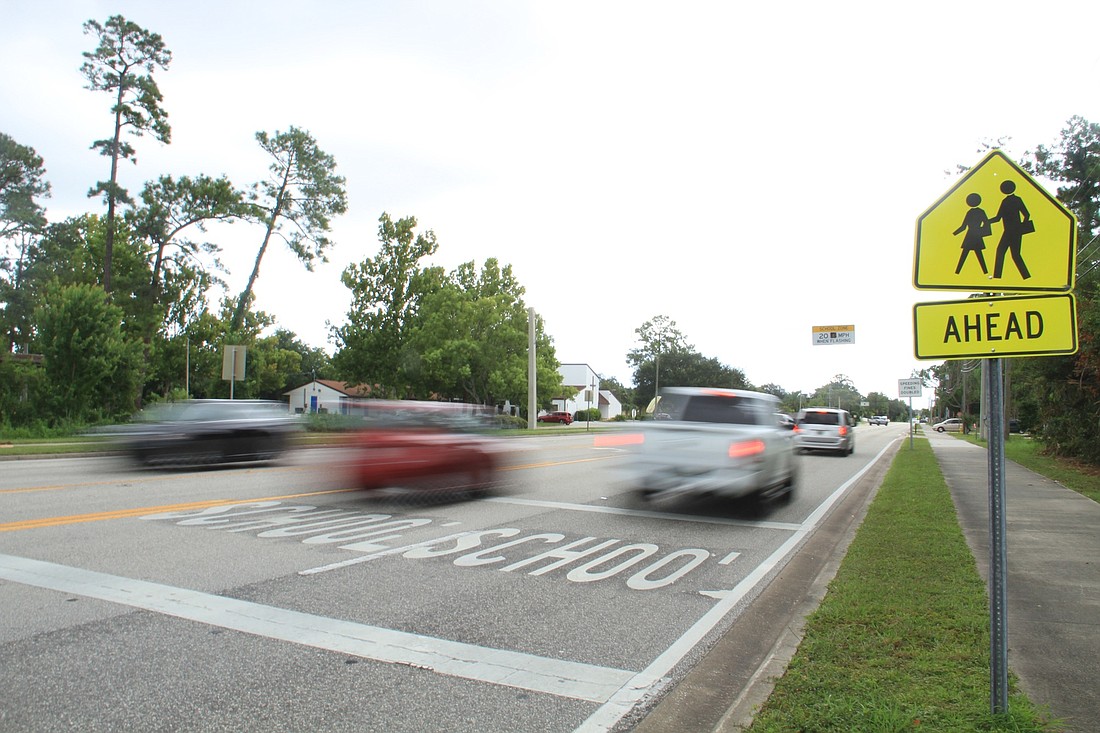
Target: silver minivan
x: 825, y: 428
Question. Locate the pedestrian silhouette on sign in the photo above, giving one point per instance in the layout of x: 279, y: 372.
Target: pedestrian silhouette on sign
x: 1015, y: 222
x: 976, y: 226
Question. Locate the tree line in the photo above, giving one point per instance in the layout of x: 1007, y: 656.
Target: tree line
x: 103, y: 312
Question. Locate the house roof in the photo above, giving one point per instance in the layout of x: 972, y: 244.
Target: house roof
x: 344, y: 388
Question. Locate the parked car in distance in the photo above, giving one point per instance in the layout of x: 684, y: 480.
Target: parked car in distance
x: 785, y: 421
x: 562, y: 418
x: 950, y: 425
x: 825, y: 428
x: 879, y: 420
x: 208, y: 432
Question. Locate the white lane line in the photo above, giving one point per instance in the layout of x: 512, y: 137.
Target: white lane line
x: 497, y: 666
x: 763, y: 524
x: 623, y: 701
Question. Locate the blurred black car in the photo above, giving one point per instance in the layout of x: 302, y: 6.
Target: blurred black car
x: 208, y: 432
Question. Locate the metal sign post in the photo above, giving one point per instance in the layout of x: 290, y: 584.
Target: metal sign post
x: 998, y: 559
x: 1042, y: 239
x: 910, y: 423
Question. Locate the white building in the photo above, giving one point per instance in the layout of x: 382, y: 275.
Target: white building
x: 325, y: 395
x: 581, y: 386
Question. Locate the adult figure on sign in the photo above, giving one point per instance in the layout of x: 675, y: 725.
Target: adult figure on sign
x: 1015, y: 222
x: 976, y: 226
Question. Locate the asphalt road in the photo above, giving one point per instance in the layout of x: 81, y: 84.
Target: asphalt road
x: 276, y: 598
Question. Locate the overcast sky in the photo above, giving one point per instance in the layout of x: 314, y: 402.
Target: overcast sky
x: 749, y: 171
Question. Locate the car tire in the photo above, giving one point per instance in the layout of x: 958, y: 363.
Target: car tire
x: 939, y: 430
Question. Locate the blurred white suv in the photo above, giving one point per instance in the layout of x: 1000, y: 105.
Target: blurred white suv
x: 825, y: 428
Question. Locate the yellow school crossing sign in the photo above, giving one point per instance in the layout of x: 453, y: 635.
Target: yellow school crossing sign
x: 996, y: 230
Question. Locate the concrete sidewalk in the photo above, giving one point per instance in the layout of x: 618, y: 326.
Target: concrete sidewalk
x: 1053, y: 584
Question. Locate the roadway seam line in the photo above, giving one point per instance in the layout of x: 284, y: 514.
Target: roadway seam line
x: 557, y: 677
x: 762, y: 524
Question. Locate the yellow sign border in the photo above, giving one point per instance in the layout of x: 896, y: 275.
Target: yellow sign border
x: 1063, y: 342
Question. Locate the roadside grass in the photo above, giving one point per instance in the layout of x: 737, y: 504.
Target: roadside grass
x: 901, y: 640
x: 1080, y: 477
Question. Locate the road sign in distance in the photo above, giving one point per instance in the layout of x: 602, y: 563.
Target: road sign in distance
x: 830, y: 335
x: 233, y: 358
x: 909, y: 387
x: 1024, y: 325
x: 996, y: 230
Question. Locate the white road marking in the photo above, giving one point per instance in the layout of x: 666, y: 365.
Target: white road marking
x: 496, y: 666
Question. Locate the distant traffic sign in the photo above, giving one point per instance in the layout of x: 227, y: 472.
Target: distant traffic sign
x: 1025, y: 325
x: 829, y: 335
x: 909, y: 387
x: 996, y: 230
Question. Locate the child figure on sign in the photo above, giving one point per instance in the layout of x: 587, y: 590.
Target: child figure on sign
x: 977, y: 228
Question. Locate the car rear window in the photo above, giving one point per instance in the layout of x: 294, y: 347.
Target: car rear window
x: 721, y: 409
x: 821, y: 418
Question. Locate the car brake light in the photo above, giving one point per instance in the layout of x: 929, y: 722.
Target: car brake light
x: 746, y: 449
x: 843, y: 430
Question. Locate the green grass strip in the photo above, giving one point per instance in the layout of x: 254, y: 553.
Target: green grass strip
x: 901, y: 640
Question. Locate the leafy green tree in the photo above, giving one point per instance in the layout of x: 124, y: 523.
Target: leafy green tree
x: 1074, y: 165
x: 657, y: 338
x: 624, y: 394
x: 1058, y: 397
x: 22, y: 219
x: 315, y: 363
x: 295, y: 202
x: 24, y: 393
x: 170, y: 208
x: 91, y: 366
x: 372, y: 345
x: 22, y: 182
x: 841, y: 392
x: 471, y: 341
x: 122, y: 65
x: 689, y: 369
x: 181, y: 270
x: 774, y: 389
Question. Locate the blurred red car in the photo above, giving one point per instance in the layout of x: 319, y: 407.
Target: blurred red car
x: 424, y: 458
x: 425, y: 446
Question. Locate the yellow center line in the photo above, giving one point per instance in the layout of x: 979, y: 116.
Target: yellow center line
x: 139, y: 479
x: 141, y: 511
